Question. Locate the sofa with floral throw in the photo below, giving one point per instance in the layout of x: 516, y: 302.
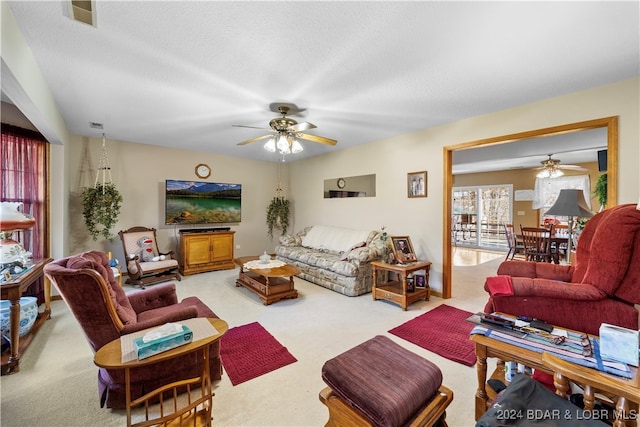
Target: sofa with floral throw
x: 334, y: 257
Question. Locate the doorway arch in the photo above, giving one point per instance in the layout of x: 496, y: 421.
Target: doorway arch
x: 610, y: 123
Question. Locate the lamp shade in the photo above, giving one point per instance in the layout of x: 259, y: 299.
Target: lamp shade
x: 570, y: 203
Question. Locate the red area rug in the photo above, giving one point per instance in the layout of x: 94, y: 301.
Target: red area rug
x: 249, y: 351
x: 444, y: 331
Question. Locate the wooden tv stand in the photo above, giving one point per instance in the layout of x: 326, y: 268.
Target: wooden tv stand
x: 206, y: 251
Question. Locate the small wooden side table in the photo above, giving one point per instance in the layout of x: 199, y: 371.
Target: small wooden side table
x: 110, y: 357
x: 396, y: 291
x: 13, y: 291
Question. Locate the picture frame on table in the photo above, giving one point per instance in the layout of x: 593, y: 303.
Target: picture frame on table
x: 420, y: 280
x: 403, y: 249
x: 417, y: 184
x: 410, y: 284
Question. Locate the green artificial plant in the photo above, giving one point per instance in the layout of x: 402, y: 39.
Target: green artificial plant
x: 100, y: 208
x: 600, y: 191
x: 278, y: 215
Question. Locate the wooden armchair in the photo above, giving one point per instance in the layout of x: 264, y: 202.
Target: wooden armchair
x: 145, y: 263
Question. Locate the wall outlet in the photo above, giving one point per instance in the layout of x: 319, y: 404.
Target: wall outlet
x: 237, y: 246
x: 521, y: 213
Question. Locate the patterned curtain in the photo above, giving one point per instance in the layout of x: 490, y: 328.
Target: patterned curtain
x: 23, y: 158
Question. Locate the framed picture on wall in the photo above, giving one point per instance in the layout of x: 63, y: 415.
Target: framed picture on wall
x: 403, y: 249
x: 417, y: 184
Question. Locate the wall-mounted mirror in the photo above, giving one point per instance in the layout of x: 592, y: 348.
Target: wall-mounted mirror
x: 350, y: 186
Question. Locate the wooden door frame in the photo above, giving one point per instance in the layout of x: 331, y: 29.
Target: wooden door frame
x: 611, y: 123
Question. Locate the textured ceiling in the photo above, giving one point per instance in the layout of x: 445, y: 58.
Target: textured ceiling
x: 180, y: 74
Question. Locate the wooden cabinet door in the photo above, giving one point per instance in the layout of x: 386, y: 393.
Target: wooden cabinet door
x: 198, y: 249
x: 222, y: 247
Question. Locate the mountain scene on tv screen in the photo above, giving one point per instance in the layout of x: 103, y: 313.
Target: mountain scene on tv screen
x: 190, y: 202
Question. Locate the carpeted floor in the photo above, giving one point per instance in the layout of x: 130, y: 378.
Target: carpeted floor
x: 250, y: 351
x: 57, y: 382
x: 442, y: 330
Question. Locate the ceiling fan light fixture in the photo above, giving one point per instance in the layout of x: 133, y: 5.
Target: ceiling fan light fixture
x: 283, y: 144
x: 296, y: 147
x: 270, y: 145
x: 285, y: 133
x: 550, y: 173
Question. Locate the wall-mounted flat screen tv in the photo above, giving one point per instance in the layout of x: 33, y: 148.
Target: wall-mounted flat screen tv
x: 192, y: 202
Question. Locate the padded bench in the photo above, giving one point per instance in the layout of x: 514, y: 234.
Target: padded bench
x: 380, y: 383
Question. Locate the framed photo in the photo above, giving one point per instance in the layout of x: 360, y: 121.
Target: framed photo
x: 417, y: 184
x: 403, y: 249
x: 410, y: 284
x: 420, y: 280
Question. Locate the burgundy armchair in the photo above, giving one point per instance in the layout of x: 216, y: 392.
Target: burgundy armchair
x: 105, y: 312
x: 602, y: 286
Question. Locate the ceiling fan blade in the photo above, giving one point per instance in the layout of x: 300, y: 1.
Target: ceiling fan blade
x: 250, y: 127
x: 302, y: 126
x: 315, y: 138
x: 572, y: 167
x: 249, y: 141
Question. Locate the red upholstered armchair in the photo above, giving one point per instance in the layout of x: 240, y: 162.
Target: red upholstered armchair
x: 602, y: 287
x: 105, y: 312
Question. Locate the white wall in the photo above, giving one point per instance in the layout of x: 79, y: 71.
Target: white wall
x: 139, y: 172
x: 393, y: 158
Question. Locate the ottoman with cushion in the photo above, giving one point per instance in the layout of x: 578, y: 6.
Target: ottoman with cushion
x: 380, y: 383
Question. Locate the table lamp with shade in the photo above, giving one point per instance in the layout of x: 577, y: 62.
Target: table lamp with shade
x: 570, y: 203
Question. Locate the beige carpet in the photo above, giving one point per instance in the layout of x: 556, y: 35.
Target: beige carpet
x: 57, y: 382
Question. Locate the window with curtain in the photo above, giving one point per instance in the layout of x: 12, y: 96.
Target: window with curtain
x: 23, y: 178
x: 546, y: 190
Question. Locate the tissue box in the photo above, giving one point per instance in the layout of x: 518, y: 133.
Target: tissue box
x: 148, y: 349
x: 619, y: 344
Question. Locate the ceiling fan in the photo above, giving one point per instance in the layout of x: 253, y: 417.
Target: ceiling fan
x: 551, y: 168
x: 285, y: 132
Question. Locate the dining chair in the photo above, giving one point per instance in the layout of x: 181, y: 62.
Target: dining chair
x: 559, y: 247
x: 537, y: 243
x: 516, y: 246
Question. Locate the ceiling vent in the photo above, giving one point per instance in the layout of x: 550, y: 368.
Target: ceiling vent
x: 96, y: 125
x: 82, y: 11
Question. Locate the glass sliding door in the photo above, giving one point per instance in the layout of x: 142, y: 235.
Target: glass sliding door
x: 479, y: 214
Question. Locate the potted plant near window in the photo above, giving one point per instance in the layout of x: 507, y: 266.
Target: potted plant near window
x: 600, y: 190
x: 278, y: 215
x: 100, y: 208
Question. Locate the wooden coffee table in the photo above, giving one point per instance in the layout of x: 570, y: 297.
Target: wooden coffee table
x: 270, y: 284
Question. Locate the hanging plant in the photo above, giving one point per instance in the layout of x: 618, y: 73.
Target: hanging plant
x: 100, y: 208
x: 600, y: 190
x: 278, y: 215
